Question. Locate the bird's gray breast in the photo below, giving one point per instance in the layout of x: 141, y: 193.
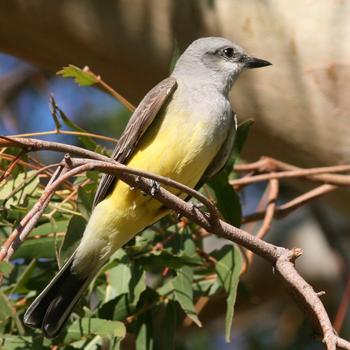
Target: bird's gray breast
x: 206, y: 106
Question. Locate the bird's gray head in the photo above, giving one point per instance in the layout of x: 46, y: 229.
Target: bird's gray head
x: 214, y: 60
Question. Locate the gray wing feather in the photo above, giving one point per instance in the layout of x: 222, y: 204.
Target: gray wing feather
x: 224, y: 153
x: 139, y: 122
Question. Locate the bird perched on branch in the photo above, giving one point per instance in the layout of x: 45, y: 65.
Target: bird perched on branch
x: 183, y: 129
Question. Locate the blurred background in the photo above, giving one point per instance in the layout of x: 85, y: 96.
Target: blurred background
x: 300, y: 106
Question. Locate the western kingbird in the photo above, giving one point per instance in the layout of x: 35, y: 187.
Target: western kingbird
x: 184, y: 129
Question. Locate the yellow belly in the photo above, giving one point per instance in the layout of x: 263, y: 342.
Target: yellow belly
x: 169, y: 148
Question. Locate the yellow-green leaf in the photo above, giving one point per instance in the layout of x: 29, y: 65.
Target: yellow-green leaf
x: 80, y: 76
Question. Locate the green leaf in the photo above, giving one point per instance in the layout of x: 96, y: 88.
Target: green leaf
x: 97, y: 343
x: 95, y: 326
x: 50, y: 227
x: 240, y: 138
x: 7, y: 311
x: 183, y: 292
x: 127, y: 279
x: 24, y: 184
x: 13, y: 342
x: 143, y: 242
x: 144, y: 323
x: 72, y: 238
x: 37, y: 248
x: 189, y: 245
x: 137, y: 283
x: 119, y: 278
x: 116, y: 309
x: 228, y: 268
x: 85, y: 199
x: 227, y: 199
x: 205, y: 287
x: 181, y: 241
x: 5, y: 268
x: 81, y: 77
x: 169, y: 326
x: 175, y: 56
x: 24, y: 277
x: 144, y: 340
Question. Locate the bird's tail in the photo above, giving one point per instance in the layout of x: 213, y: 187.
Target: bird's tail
x: 52, y: 307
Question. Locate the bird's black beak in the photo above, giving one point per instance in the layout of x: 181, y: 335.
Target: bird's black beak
x: 252, y: 62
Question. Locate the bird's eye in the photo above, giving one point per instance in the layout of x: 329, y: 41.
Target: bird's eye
x: 228, y: 52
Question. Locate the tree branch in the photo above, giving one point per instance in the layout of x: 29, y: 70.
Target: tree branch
x: 282, y: 258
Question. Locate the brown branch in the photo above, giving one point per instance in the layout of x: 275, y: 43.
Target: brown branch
x: 66, y: 132
x: 32, y: 145
x: 11, y: 166
x: 282, y: 258
x: 306, y: 296
x: 343, y: 307
x: 305, y: 173
x: 250, y: 227
x: 269, y: 214
x: 343, y: 344
x: 285, y: 209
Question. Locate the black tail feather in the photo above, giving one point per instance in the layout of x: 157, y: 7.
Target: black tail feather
x: 52, y: 307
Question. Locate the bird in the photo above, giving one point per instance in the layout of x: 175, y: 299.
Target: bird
x: 184, y: 129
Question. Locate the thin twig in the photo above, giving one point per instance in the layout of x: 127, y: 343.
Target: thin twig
x: 110, y: 90
x: 11, y: 166
x: 269, y: 214
x: 66, y: 132
x: 250, y: 227
x: 285, y: 209
x: 343, y: 307
x: 305, y: 173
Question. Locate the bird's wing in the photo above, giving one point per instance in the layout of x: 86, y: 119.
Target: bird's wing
x: 223, y: 155
x: 139, y: 122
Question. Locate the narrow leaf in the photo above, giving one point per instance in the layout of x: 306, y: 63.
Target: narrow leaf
x: 169, y: 331
x: 227, y: 199
x: 183, y: 293
x: 72, y: 238
x: 242, y: 133
x: 144, y: 340
x: 25, y: 276
x: 96, y: 326
x: 228, y: 269
x: 175, y: 56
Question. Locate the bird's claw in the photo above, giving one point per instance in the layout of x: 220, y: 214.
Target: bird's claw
x: 155, y: 186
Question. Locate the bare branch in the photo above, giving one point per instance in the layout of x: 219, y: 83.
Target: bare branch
x: 269, y: 214
x: 282, y: 258
x: 285, y: 209
x: 305, y: 173
x: 343, y: 307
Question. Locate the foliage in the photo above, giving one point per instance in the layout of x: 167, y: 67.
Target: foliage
x: 155, y: 281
